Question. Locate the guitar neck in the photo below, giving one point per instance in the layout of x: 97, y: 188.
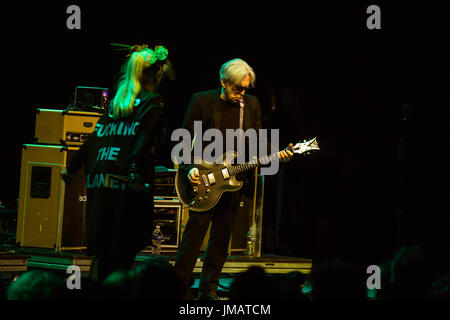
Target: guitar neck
x: 234, y: 170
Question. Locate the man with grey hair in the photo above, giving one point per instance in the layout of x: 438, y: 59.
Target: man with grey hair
x: 225, y: 108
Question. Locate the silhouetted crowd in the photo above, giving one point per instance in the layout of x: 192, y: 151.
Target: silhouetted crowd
x: 402, y: 278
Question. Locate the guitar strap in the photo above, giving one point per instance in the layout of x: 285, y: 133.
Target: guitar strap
x: 241, y: 118
x: 241, y: 114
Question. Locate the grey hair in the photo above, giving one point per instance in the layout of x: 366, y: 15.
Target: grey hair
x: 234, y: 70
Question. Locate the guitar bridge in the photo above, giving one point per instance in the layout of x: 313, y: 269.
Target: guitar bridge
x: 205, y: 181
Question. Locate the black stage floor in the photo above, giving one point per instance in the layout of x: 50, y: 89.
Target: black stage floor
x: 15, y: 261
x: 48, y: 259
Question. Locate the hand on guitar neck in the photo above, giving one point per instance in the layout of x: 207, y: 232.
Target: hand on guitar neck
x: 287, y: 154
x: 284, y: 156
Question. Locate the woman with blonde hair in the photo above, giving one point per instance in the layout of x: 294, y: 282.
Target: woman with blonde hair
x: 143, y: 72
x: 119, y: 162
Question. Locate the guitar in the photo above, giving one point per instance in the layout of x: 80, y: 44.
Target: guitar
x: 217, y: 178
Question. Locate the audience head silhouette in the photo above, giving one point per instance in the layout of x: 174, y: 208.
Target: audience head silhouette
x: 252, y: 284
x: 158, y: 279
x: 440, y: 289
x: 119, y: 284
x: 409, y: 274
x: 36, y: 285
x: 337, y: 280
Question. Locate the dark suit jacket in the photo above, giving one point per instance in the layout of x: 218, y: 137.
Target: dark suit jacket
x: 205, y: 107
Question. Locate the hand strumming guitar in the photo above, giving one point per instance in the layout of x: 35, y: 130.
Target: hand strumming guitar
x: 194, y: 176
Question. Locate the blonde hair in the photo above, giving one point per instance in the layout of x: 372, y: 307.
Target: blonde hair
x: 130, y: 83
x: 234, y: 70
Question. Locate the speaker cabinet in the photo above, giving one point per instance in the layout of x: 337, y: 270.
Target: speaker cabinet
x: 50, y: 214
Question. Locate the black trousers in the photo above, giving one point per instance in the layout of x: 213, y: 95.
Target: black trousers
x: 221, y: 217
x: 119, y: 226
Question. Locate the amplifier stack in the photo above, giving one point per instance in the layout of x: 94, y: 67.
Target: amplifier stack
x: 50, y: 214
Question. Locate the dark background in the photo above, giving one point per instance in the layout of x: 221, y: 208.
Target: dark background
x: 363, y: 195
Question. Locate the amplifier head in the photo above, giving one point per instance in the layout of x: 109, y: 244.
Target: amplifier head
x: 93, y: 99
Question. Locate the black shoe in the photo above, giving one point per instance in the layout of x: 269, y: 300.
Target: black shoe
x: 208, y: 296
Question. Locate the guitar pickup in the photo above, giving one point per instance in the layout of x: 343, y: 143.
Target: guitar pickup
x: 211, y: 179
x: 205, y: 180
x: 225, y: 173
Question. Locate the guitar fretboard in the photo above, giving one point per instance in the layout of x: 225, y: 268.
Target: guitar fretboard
x: 234, y: 170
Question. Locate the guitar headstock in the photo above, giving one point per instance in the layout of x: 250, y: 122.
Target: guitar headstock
x: 306, y: 147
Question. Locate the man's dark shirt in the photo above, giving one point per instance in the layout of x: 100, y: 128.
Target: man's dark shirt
x: 230, y: 115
